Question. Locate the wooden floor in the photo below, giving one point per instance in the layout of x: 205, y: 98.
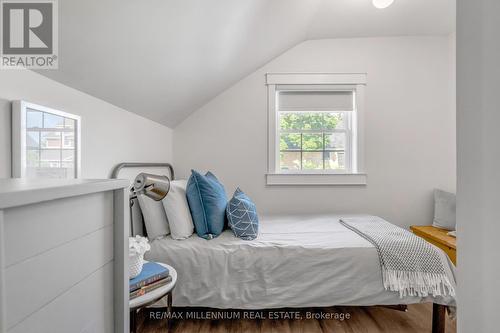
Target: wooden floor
x: 362, y: 319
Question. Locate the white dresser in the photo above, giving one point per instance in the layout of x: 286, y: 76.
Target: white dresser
x: 63, y: 253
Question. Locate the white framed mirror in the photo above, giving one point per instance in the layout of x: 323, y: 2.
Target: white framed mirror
x: 46, y: 143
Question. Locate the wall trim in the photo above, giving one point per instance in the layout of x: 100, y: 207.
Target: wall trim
x: 353, y: 81
x: 318, y: 179
x: 316, y: 78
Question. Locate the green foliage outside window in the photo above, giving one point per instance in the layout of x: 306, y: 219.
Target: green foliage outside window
x: 307, y: 121
x: 306, y: 140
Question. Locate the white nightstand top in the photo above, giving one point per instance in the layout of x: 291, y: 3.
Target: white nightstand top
x: 156, y: 294
x: 21, y: 191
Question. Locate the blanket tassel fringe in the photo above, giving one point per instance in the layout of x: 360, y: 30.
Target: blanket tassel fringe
x: 420, y: 284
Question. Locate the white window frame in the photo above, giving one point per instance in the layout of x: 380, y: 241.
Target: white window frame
x: 19, y: 136
x: 356, y: 174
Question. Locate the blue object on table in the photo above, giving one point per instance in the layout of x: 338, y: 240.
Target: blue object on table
x: 151, y: 272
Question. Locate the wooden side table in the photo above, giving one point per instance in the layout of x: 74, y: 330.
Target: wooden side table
x: 152, y: 297
x: 439, y: 238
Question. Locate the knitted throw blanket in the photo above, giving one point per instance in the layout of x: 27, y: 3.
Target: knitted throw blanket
x: 410, y: 265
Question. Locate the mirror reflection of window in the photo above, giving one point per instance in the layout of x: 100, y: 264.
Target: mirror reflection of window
x: 51, y: 147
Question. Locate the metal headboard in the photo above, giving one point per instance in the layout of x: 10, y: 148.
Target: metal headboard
x: 140, y: 221
x: 116, y: 169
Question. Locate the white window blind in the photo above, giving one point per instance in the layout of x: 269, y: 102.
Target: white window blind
x: 295, y: 100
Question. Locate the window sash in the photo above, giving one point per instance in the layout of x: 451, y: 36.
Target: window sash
x: 346, y: 117
x: 314, y: 131
x: 347, y: 149
x: 55, y: 129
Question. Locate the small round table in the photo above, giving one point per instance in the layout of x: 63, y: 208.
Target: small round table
x: 153, y: 297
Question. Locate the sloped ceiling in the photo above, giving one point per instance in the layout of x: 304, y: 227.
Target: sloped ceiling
x: 163, y: 59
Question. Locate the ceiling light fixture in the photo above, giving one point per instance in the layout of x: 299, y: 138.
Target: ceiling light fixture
x: 382, y: 3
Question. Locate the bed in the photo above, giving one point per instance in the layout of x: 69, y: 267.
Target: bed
x: 296, y: 261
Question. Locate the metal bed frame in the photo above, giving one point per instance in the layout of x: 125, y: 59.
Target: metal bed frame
x: 114, y: 174
x: 116, y: 169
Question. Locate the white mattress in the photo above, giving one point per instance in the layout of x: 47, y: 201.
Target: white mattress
x: 297, y: 261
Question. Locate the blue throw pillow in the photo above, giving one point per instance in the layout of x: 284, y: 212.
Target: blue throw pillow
x: 242, y: 216
x: 207, y: 202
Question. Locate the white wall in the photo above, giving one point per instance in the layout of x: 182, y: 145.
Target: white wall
x: 410, y: 129
x: 478, y: 197
x: 109, y: 134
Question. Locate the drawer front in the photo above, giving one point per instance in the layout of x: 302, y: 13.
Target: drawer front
x: 58, y: 268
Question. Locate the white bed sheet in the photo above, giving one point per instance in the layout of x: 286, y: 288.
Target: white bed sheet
x: 296, y: 261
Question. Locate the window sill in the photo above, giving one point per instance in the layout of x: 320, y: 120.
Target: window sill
x: 295, y: 179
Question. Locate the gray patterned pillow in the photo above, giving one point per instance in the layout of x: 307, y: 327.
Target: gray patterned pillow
x: 242, y: 216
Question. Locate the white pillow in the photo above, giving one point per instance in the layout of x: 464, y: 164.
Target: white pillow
x: 444, y: 210
x: 154, y: 215
x: 177, y: 210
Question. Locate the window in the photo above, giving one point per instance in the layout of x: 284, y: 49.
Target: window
x: 314, y: 129
x: 45, y: 142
